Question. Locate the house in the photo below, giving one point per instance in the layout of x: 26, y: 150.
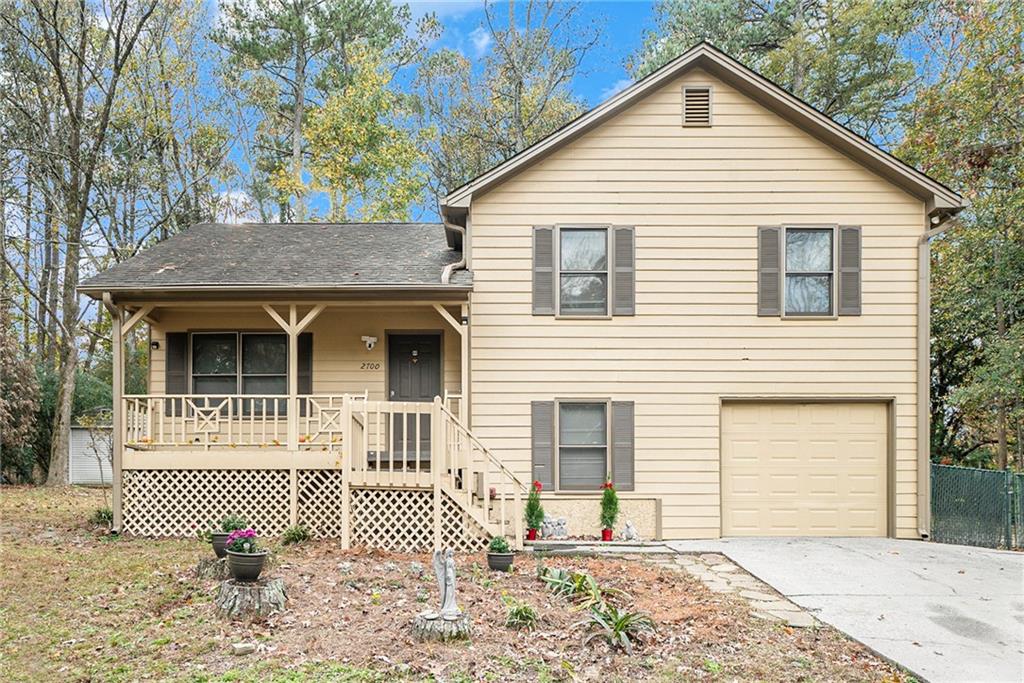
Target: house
x: 702, y: 289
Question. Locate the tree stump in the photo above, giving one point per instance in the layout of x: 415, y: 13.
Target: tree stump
x: 254, y: 601
x: 212, y: 568
x: 432, y: 626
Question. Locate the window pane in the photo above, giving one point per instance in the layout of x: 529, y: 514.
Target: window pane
x: 584, y: 295
x: 809, y: 294
x: 264, y: 354
x: 214, y: 386
x: 808, y: 251
x: 584, y: 250
x: 264, y: 385
x: 214, y: 354
x: 582, y: 424
x: 582, y: 468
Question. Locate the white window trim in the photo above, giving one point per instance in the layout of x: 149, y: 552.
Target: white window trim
x: 609, y: 269
x: 556, y: 438
x: 833, y: 288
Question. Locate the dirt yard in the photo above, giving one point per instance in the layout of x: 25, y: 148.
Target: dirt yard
x: 79, y: 605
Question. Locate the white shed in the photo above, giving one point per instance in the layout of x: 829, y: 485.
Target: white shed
x: 85, y: 466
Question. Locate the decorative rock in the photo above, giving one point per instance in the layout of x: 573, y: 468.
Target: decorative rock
x: 212, y: 568
x: 243, y: 648
x: 432, y: 626
x: 253, y: 601
x: 344, y: 567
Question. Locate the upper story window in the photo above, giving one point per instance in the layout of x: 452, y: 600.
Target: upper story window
x: 810, y: 271
x: 583, y: 271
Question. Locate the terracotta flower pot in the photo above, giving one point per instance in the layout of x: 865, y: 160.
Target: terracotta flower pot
x: 218, y: 539
x: 531, y: 534
x: 606, y: 534
x: 500, y: 562
x: 246, y: 567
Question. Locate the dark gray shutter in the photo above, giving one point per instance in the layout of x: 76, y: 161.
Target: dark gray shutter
x: 849, y: 270
x: 543, y: 270
x: 622, y: 445
x: 305, y: 367
x: 625, y: 271
x: 175, y: 369
x: 769, y: 271
x: 542, y: 440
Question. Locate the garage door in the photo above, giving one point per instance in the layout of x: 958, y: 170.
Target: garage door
x: 810, y: 469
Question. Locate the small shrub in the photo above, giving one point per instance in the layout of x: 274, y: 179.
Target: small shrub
x: 294, y: 535
x: 498, y: 545
x: 102, y: 517
x: 534, y: 512
x: 619, y: 628
x: 233, y: 523
x: 609, y: 506
x: 520, y: 614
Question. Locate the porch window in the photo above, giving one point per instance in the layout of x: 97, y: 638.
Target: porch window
x: 215, y: 363
x: 239, y: 363
x: 583, y: 271
x: 810, y: 270
x: 582, y: 445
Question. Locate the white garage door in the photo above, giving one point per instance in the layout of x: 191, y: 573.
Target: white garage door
x: 809, y: 469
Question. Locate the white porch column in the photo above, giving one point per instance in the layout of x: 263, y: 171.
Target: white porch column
x: 117, y: 411
x: 293, y: 379
x: 464, y: 411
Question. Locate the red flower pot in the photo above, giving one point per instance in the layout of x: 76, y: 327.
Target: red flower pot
x: 606, y: 534
x: 531, y: 534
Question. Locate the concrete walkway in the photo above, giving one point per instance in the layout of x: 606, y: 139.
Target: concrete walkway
x: 945, y: 612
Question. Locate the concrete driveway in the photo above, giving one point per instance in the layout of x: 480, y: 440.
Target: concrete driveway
x: 945, y: 612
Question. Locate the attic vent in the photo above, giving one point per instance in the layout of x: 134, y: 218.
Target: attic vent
x: 697, y: 106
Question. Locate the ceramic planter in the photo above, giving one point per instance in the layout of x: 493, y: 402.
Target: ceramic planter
x: 500, y: 562
x: 531, y: 534
x: 606, y: 534
x: 219, y: 539
x: 246, y: 567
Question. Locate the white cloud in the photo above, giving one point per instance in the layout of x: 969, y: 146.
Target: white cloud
x: 236, y: 206
x: 615, y: 88
x: 481, y: 40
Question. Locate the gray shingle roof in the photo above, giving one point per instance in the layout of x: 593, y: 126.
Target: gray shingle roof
x: 309, y: 255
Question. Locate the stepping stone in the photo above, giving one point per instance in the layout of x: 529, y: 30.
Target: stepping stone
x: 724, y: 567
x: 686, y: 561
x: 764, y: 616
x: 774, y: 606
x: 719, y: 587
x: 795, y: 619
x: 712, y: 559
x: 758, y: 595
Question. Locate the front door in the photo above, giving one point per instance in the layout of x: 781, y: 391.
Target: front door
x: 414, y: 374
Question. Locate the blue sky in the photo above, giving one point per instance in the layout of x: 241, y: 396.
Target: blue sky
x: 603, y: 72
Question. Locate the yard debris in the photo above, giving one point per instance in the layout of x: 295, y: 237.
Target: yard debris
x: 243, y: 648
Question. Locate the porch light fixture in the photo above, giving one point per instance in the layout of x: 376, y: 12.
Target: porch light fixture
x: 370, y: 342
x: 154, y: 345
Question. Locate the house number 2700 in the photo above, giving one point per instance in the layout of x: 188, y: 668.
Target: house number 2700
x: 370, y: 366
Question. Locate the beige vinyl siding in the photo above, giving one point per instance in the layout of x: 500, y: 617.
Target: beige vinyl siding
x: 696, y: 197
x: 338, y: 350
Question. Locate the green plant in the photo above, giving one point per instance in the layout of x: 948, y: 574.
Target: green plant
x: 520, y: 614
x: 499, y: 544
x: 534, y: 511
x: 620, y: 628
x: 592, y: 596
x: 233, y: 523
x: 295, y: 534
x: 102, y: 517
x: 609, y: 506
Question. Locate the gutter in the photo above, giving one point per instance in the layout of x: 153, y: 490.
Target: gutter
x: 447, y: 271
x: 934, y: 226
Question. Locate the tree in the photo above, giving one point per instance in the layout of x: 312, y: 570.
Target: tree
x: 520, y: 94
x: 19, y: 397
x: 70, y: 58
x: 293, y: 54
x: 844, y: 57
x: 361, y: 152
x: 964, y: 128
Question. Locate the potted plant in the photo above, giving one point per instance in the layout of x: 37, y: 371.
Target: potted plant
x: 245, y: 558
x: 609, y: 510
x: 534, y: 512
x: 219, y: 537
x: 499, y: 557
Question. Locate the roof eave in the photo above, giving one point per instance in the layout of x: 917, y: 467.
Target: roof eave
x: 228, y: 290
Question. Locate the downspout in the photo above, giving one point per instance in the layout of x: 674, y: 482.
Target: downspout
x: 933, y: 226
x: 446, y: 273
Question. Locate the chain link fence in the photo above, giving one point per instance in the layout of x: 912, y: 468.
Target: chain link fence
x: 977, y: 507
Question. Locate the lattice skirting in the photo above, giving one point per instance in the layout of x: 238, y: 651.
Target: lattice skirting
x: 183, y: 502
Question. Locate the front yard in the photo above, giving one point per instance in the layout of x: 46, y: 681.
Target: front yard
x: 76, y: 604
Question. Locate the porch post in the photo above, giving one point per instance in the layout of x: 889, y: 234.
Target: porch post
x: 346, y: 472
x: 293, y: 379
x: 465, y: 414
x: 117, y: 409
x: 438, y: 461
